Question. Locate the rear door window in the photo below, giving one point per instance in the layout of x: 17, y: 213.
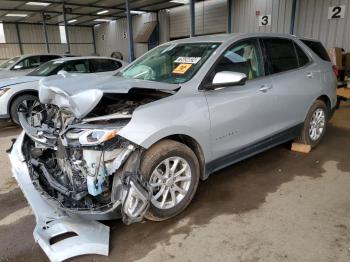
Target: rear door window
x: 317, y: 48
x: 281, y: 54
x: 104, y: 65
x: 76, y: 66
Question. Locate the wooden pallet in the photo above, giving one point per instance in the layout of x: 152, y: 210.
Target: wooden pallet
x: 343, y: 92
x: 301, y: 148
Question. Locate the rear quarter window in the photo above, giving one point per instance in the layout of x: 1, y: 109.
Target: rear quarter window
x: 302, y: 57
x: 318, y: 49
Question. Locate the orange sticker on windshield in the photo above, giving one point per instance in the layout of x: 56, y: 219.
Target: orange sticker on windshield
x: 182, y: 68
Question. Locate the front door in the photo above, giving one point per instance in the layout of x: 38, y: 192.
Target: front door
x: 242, y: 115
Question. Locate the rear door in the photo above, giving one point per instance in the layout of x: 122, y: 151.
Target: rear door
x: 296, y: 79
x: 242, y: 115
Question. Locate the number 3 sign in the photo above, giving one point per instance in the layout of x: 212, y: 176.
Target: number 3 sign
x: 264, y: 20
x: 336, y: 12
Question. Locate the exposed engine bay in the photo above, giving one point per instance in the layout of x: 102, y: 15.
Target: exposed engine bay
x: 82, y: 164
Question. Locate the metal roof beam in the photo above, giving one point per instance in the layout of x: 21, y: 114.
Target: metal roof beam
x: 53, y: 12
x: 72, y: 4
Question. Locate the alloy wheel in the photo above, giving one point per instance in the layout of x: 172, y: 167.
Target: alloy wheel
x: 170, y: 182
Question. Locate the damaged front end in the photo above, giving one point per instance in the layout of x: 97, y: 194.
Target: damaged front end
x: 77, y: 165
x: 81, y: 168
x: 82, y: 164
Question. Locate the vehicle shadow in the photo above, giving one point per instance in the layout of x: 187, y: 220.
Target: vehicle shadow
x: 234, y: 190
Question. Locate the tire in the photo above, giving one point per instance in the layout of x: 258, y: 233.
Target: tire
x: 307, y: 138
x: 16, y: 104
x: 156, y: 157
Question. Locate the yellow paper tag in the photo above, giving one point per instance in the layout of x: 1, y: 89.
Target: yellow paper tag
x: 182, y: 68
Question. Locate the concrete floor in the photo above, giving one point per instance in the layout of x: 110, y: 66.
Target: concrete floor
x: 277, y: 206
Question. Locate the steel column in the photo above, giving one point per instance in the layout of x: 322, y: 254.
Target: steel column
x: 130, y: 34
x: 292, y: 21
x: 66, y: 28
x: 19, y: 40
x: 192, y: 18
x: 229, y: 16
x: 94, y: 39
x: 45, y: 34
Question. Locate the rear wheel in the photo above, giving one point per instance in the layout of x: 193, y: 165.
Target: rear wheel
x: 172, y: 170
x: 24, y: 103
x: 315, y: 124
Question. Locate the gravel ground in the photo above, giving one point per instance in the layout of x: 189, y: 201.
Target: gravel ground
x: 277, y: 206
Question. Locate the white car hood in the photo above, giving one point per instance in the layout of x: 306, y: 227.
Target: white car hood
x: 81, y: 93
x: 5, y: 73
x: 18, y: 80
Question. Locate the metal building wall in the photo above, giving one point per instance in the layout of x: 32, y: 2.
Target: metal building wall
x: 210, y: 18
x: 245, y: 18
x: 112, y: 37
x: 312, y: 21
x: 33, y: 40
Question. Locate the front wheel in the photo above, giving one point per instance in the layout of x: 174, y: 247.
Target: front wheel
x: 315, y: 124
x: 24, y: 103
x: 172, y: 170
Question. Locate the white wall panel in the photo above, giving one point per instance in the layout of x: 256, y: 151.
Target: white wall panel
x: 33, y: 40
x: 10, y: 33
x: 245, y: 19
x: 112, y: 37
x: 8, y: 51
x: 312, y: 21
x: 210, y: 18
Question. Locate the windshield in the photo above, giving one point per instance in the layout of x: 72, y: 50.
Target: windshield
x: 10, y: 62
x: 47, y: 69
x: 175, y: 63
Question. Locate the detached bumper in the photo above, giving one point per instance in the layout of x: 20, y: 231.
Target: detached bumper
x: 82, y: 236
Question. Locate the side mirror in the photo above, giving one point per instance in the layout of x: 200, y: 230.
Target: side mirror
x: 228, y: 78
x: 17, y: 67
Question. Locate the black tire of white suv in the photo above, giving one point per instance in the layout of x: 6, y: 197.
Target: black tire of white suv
x: 16, y: 104
x: 315, y: 124
x: 153, y: 168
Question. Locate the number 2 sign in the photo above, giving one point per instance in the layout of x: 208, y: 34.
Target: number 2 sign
x: 264, y: 20
x: 336, y: 11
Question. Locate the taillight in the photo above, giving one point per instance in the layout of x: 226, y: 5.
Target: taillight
x: 335, y: 71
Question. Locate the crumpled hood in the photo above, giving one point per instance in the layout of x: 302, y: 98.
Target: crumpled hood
x: 18, y: 80
x: 75, y: 83
x: 81, y: 93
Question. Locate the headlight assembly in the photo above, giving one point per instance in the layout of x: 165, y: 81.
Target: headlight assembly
x: 96, y: 136
x: 4, y: 90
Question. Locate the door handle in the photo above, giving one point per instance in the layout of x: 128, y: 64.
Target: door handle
x: 265, y: 88
x: 309, y: 75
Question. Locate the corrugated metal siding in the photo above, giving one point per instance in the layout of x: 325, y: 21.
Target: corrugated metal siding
x: 110, y: 36
x: 245, y: 19
x: 312, y: 21
x: 8, y: 51
x: 210, y: 18
x: 33, y: 40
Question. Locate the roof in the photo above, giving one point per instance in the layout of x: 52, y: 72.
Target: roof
x: 228, y: 37
x: 84, y: 57
x: 84, y: 11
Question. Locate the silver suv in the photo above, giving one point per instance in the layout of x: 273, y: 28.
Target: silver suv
x: 136, y: 144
